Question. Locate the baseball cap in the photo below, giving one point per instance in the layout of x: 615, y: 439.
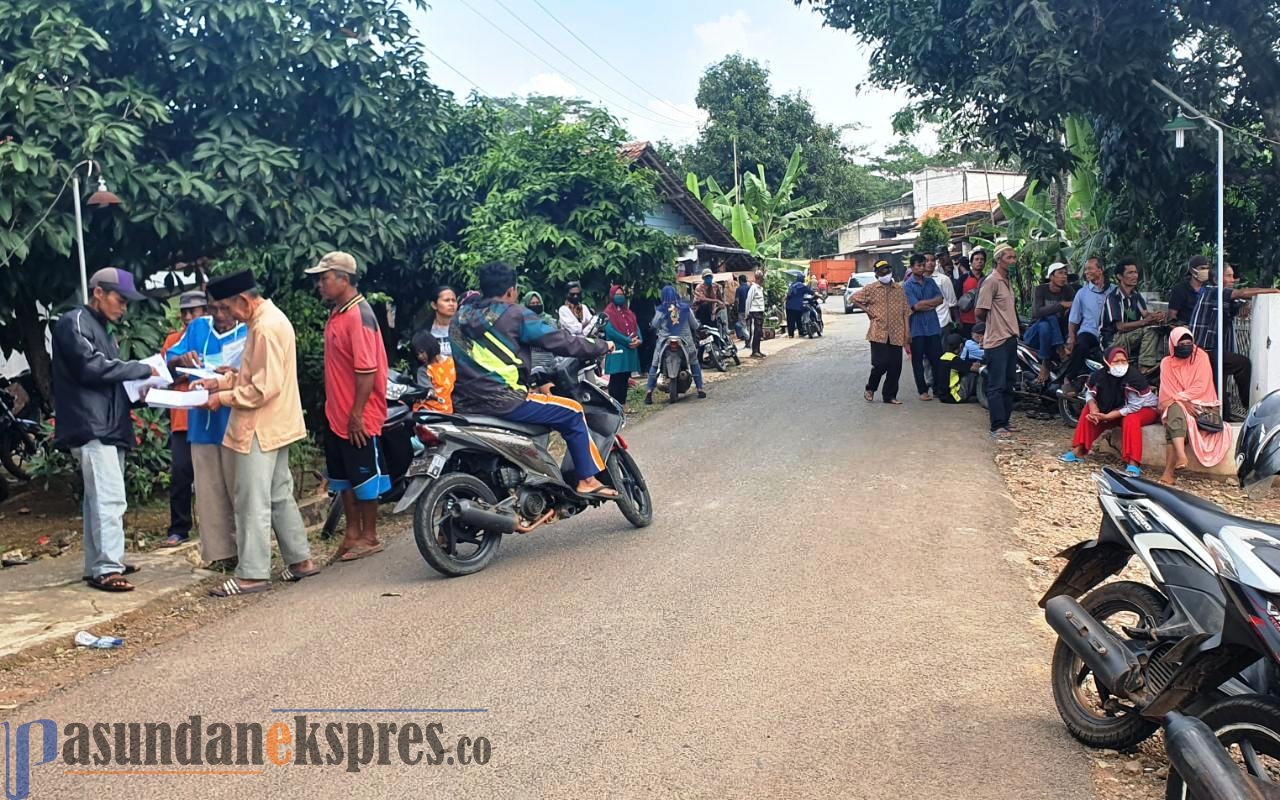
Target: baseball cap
x: 337, y: 261
x: 883, y: 265
x: 1052, y: 268
x: 707, y: 272
x: 193, y: 299
x: 116, y: 280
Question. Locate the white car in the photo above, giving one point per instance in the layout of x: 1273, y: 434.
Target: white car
x: 857, y: 282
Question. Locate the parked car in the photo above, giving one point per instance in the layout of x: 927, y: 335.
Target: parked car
x: 857, y: 282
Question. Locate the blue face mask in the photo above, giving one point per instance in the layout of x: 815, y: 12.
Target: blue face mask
x: 708, y: 280
x: 619, y: 299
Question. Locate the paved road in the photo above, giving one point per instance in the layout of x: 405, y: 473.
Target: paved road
x: 805, y: 619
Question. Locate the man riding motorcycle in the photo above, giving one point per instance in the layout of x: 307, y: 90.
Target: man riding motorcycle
x: 491, y: 337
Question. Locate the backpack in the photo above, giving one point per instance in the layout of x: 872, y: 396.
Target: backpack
x: 969, y: 299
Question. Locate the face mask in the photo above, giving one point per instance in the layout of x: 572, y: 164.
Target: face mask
x: 619, y: 299
x: 1201, y: 275
x: 1184, y: 349
x: 885, y: 279
x: 707, y: 281
x: 575, y: 299
x: 1119, y: 370
x: 536, y: 309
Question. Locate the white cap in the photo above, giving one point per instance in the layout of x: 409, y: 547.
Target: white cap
x: 1052, y: 268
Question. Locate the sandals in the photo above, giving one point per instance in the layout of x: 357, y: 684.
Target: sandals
x: 111, y: 582
x: 293, y: 576
x: 173, y: 540
x: 1132, y: 471
x: 1070, y: 457
x: 602, y: 492
x: 129, y: 569
x: 357, y: 553
x: 231, y: 588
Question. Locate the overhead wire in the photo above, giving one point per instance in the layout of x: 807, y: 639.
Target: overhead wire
x: 610, y: 65
x: 456, y: 71
x: 528, y: 50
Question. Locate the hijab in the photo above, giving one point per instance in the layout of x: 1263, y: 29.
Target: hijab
x: 673, y: 308
x: 542, y: 315
x: 1110, y: 391
x: 1187, y: 379
x: 621, y: 317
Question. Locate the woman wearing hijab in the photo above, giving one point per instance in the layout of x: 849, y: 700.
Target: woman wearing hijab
x: 1115, y: 396
x: 674, y: 318
x: 623, y: 329
x: 1186, y: 389
x: 533, y: 302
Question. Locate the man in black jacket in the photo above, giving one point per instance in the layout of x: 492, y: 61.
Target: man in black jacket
x: 92, y: 410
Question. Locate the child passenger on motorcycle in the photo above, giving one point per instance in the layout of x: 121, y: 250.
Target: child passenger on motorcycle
x: 437, y: 373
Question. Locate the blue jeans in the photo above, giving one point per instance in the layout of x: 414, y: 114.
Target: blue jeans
x: 1045, y: 337
x: 102, y: 467
x: 1002, y: 360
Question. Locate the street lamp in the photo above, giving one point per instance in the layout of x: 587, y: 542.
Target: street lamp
x: 99, y: 199
x: 1179, y: 126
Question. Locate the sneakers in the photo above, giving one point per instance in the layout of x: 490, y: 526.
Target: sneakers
x: 702, y: 395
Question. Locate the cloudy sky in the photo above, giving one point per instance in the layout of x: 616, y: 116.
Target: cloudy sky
x: 653, y: 55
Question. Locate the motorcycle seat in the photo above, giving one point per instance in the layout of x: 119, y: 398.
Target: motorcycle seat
x: 1199, y: 515
x: 397, y: 414
x: 505, y: 424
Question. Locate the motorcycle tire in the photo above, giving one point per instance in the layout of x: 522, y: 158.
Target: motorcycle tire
x: 981, y: 390
x: 737, y: 362
x: 1070, y: 409
x: 1093, y: 726
x: 1251, y: 721
x: 428, y: 514
x: 819, y: 330
x: 716, y: 360
x: 334, y: 518
x: 634, y: 500
x: 17, y: 449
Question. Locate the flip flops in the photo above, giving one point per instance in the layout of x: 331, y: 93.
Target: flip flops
x: 173, y: 540
x: 111, y: 582
x: 357, y: 553
x: 601, y: 492
x: 129, y: 569
x: 231, y: 588
x: 1070, y: 458
x: 293, y: 576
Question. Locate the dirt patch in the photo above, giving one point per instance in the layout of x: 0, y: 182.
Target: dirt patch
x: 41, y: 521
x: 1058, y: 507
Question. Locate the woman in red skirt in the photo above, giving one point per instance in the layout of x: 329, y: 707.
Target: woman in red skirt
x: 1115, y: 396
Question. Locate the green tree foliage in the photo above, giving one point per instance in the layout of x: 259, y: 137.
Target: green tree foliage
x: 555, y: 199
x: 741, y: 106
x: 933, y: 235
x: 1007, y: 74
x: 303, y: 125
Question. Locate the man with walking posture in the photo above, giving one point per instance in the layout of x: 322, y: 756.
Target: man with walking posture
x: 355, y: 389
x: 887, y: 312
x: 92, y: 409
x: 997, y: 310
x: 755, y: 313
x: 924, y: 297
x: 266, y: 417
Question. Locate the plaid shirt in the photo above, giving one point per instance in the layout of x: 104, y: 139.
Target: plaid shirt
x: 1204, y: 320
x: 1119, y: 308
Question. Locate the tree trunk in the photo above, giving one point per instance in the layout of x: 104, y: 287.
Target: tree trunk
x: 32, y: 330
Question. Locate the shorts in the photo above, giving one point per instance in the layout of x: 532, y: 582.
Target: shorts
x: 363, y: 470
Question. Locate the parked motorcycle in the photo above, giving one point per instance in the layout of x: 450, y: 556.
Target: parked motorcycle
x: 18, y: 433
x: 1205, y: 640
x: 397, y: 440
x: 675, y: 375
x: 811, y: 316
x: 1026, y: 386
x: 1203, y: 767
x: 716, y: 347
x: 483, y: 477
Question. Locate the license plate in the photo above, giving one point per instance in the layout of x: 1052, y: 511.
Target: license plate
x: 437, y: 464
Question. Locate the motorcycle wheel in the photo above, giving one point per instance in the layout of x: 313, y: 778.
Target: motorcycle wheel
x: 334, y: 518
x: 1249, y: 728
x: 1078, y: 695
x: 716, y: 360
x: 981, y: 389
x: 432, y: 526
x: 1070, y: 409
x: 737, y: 362
x: 634, y: 500
x: 18, y: 448
x: 819, y: 330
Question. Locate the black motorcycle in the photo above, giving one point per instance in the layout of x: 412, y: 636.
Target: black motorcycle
x: 675, y: 375
x: 397, y: 442
x: 483, y: 477
x: 1025, y: 384
x: 1205, y: 640
x: 811, y: 316
x: 716, y: 347
x: 19, y: 430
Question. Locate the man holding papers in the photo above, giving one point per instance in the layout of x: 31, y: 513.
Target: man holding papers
x: 202, y: 345
x: 92, y: 410
x: 266, y: 417
x: 191, y: 306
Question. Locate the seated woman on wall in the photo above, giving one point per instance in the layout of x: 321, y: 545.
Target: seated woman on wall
x: 1117, y: 396
x: 1186, y: 390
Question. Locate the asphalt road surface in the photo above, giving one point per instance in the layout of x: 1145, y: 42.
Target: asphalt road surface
x: 824, y: 607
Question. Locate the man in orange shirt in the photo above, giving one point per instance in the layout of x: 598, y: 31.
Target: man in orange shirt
x: 190, y: 306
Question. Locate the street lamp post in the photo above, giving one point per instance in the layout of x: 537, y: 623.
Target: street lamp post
x: 100, y: 198
x: 1179, y: 126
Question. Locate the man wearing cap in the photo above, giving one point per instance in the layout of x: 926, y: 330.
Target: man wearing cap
x: 92, y: 409
x: 996, y: 308
x: 191, y: 305
x: 213, y: 342
x: 355, y: 406
x: 886, y: 305
x: 266, y: 417
x: 1047, y: 332
x: 708, y: 299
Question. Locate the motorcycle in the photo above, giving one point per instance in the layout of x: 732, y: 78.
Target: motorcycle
x: 1204, y: 767
x: 1025, y: 385
x: 397, y: 440
x: 716, y: 347
x: 811, y: 316
x: 675, y: 375
x: 1205, y: 640
x: 19, y: 430
x: 483, y: 477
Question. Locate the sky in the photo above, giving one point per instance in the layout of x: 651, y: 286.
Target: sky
x: 660, y: 49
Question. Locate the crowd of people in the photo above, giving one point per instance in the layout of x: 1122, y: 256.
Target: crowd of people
x: 954, y: 321
x: 230, y: 452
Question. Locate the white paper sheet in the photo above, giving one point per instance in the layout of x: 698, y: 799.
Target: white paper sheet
x: 162, y: 379
x: 167, y: 398
x: 199, y: 372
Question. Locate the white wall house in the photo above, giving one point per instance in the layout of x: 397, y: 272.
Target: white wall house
x: 945, y: 186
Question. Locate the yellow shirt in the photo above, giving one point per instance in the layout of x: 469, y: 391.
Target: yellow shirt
x: 263, y: 395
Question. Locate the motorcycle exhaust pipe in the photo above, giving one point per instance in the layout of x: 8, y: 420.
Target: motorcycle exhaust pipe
x: 484, y: 518
x: 1111, y: 662
x: 1204, y: 764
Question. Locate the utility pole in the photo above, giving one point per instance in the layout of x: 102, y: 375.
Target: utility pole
x: 737, y: 195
